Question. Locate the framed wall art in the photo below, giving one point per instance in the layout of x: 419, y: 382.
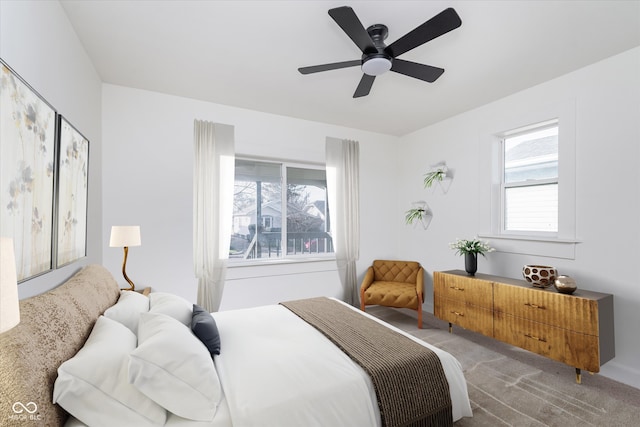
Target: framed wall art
x: 27, y: 173
x: 73, y: 173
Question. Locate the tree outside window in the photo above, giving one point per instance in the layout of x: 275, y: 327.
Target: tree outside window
x: 280, y: 211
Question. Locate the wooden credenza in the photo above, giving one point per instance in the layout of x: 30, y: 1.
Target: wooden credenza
x: 574, y: 329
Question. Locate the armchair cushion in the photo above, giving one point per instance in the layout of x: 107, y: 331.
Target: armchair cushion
x: 392, y: 294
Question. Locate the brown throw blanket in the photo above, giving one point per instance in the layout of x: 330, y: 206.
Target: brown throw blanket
x: 408, y: 378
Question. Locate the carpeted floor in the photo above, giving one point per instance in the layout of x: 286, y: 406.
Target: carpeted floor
x: 509, y: 386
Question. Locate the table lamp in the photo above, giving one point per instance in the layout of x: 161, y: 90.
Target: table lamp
x: 123, y: 236
x: 9, y: 305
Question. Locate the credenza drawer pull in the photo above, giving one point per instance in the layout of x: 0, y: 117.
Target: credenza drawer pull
x: 535, y: 338
x: 456, y: 288
x: 457, y: 313
x: 541, y: 307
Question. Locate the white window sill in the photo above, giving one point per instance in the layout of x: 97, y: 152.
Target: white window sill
x: 531, y: 245
x: 279, y: 261
x: 275, y: 267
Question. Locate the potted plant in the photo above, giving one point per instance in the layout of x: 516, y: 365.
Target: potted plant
x: 420, y: 213
x: 436, y: 175
x: 470, y: 249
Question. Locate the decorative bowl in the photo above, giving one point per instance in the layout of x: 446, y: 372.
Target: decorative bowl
x: 540, y: 276
x: 565, y: 284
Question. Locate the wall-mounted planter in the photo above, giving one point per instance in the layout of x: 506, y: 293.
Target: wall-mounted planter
x: 439, y: 174
x: 420, y: 213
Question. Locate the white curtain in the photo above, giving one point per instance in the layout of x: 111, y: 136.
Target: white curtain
x: 343, y: 187
x: 213, y: 178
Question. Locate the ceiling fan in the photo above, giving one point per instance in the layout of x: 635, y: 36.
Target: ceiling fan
x: 378, y: 58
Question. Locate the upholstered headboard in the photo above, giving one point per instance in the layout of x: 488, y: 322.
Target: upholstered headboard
x: 53, y: 327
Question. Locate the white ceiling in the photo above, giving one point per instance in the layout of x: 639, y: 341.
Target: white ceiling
x: 246, y: 53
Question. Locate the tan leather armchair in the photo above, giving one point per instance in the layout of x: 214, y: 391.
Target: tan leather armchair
x: 396, y: 284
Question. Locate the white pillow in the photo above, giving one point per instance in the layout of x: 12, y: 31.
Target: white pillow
x: 128, y: 308
x: 93, y: 385
x: 171, y: 305
x: 173, y: 367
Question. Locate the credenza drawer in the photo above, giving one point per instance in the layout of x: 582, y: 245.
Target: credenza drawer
x: 477, y: 292
x: 465, y: 315
x: 573, y: 348
x: 546, y: 306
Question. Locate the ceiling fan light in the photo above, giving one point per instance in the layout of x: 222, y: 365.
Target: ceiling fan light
x: 376, y: 66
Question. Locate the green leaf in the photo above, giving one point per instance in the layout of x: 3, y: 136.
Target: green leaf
x: 431, y: 177
x: 413, y: 214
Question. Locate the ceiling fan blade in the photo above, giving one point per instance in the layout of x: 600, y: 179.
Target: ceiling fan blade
x: 346, y: 18
x: 327, y: 67
x: 417, y: 71
x: 440, y: 24
x: 364, y: 87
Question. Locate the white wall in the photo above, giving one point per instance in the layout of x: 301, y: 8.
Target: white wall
x: 148, y: 180
x: 146, y: 166
x: 38, y: 42
x: 607, y: 103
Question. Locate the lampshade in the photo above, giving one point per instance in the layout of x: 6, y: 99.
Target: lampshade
x: 9, y: 306
x: 125, y: 235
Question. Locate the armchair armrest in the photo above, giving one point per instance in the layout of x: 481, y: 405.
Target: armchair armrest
x: 420, y: 284
x: 367, y: 280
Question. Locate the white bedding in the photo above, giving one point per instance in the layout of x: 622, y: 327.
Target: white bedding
x: 312, y: 382
x: 306, y: 379
x: 276, y: 370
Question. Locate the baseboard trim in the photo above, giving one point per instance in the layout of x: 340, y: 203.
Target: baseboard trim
x: 621, y: 373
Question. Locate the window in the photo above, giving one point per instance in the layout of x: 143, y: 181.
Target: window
x: 267, y: 222
x: 280, y: 211
x: 530, y: 179
x: 527, y: 182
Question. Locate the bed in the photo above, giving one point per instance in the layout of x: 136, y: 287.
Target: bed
x: 110, y: 357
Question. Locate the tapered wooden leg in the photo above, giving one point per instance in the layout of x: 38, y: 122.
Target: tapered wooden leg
x: 419, y: 319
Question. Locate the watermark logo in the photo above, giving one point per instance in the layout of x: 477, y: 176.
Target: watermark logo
x: 19, y: 408
x: 25, y: 412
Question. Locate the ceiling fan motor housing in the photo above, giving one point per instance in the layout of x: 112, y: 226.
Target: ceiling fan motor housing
x: 376, y: 63
x: 378, y: 34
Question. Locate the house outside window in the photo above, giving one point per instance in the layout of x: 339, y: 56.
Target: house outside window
x: 530, y: 180
x: 280, y: 211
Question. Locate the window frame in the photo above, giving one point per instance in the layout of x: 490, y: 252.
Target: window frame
x: 285, y: 258
x: 523, y: 114
x: 527, y: 183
